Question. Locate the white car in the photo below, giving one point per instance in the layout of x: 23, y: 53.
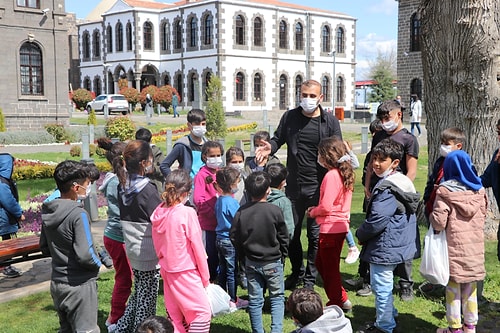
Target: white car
x: 115, y: 102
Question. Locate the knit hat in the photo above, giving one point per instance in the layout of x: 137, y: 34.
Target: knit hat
x: 458, y: 166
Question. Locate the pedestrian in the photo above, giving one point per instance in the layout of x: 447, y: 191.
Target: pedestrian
x: 415, y: 113
x: 175, y: 103
x: 149, y: 108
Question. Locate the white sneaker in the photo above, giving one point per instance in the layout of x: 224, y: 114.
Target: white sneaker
x: 352, y: 255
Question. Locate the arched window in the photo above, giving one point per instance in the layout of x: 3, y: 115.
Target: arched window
x: 86, y: 45
x: 257, y: 87
x: 148, y: 36
x: 240, y: 30
x: 164, y: 36
x: 325, y: 39
x: 166, y: 80
x: 415, y: 33
x: 178, y: 34
x: 340, y: 90
x: 325, y: 86
x: 86, y: 84
x: 240, y: 87
x: 416, y: 87
x: 340, y: 40
x: 129, y: 36
x: 96, y: 44
x: 31, y: 69
x: 191, y: 87
x: 283, y: 42
x: 206, y: 82
x: 299, y: 37
x: 298, y: 85
x: 178, y: 84
x: 208, y: 27
x: 193, y: 32
x: 119, y: 37
x: 283, y: 92
x: 109, y: 39
x: 97, y: 86
x: 257, y: 31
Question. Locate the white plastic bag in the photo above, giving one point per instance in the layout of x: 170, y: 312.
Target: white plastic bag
x: 435, y: 266
x: 219, y: 299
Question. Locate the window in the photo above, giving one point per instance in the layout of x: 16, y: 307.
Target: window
x: 208, y: 76
x: 109, y: 39
x: 96, y: 44
x: 193, y: 32
x: 86, y: 84
x: 31, y: 69
x: 299, y: 37
x: 257, y: 31
x: 325, y: 39
x: 340, y: 90
x: 165, y: 35
x: 415, y: 33
x: 298, y: 85
x: 208, y: 28
x: 340, y: 41
x: 283, y: 92
x: 191, y: 86
x: 240, y: 30
x: 283, y: 42
x: 166, y: 80
x: 86, y: 45
x: 325, y: 87
x: 416, y: 87
x: 148, y: 36
x: 97, y: 86
x: 129, y: 36
x: 178, y: 84
x: 119, y: 37
x: 29, y: 3
x: 178, y: 34
x: 240, y: 87
x: 257, y: 87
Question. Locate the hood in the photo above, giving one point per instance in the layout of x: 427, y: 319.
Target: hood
x: 404, y: 191
x: 106, y: 180
x: 332, y: 320
x: 466, y: 202
x: 275, y: 195
x: 56, y: 211
x: 134, y: 185
x: 6, y: 165
x: 160, y: 214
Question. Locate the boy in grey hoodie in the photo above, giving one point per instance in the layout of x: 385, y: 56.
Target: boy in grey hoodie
x: 67, y: 238
x: 277, y: 196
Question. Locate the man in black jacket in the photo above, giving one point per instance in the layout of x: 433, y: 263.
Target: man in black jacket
x: 302, y: 129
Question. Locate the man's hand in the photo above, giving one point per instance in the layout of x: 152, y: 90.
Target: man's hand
x: 263, y: 152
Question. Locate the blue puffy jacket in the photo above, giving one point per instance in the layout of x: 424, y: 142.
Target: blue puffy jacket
x: 8, y: 202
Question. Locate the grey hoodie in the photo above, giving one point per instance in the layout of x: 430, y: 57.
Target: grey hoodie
x: 333, y: 320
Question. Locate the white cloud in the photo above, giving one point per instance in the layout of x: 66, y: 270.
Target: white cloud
x: 369, y: 46
x: 387, y: 7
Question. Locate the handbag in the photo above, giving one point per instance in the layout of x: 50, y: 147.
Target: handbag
x: 435, y: 266
x: 219, y: 299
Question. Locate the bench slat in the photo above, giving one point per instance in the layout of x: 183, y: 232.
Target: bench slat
x: 19, y: 247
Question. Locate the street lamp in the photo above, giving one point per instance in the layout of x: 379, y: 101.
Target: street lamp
x: 333, y: 81
x: 106, y: 111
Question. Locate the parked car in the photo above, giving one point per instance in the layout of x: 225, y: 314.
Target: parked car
x: 116, y: 103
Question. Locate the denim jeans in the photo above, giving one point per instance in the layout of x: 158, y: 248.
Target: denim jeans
x: 227, y: 266
x: 268, y: 275
x: 382, y: 279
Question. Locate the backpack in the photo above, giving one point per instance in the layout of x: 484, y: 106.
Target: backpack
x: 13, y: 189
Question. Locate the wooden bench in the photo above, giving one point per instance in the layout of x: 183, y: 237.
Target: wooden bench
x: 20, y: 249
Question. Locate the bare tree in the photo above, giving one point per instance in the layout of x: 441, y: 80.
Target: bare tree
x: 460, y: 61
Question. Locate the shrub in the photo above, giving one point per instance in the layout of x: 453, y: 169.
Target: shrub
x: 81, y: 97
x: 58, y: 132
x: 92, y: 119
x: 120, y: 127
x: 2, y: 121
x: 151, y: 90
x: 131, y: 94
x: 75, y: 150
x: 20, y: 137
x: 77, y: 131
x: 164, y: 96
x: 92, y: 149
x: 216, y: 120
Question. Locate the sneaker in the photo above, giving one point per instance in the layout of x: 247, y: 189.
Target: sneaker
x: 11, y: 272
x: 365, y: 291
x: 354, y: 283
x: 105, y: 258
x: 111, y: 328
x: 406, y: 294
x: 292, y: 282
x: 347, y: 306
x: 370, y: 328
x: 232, y: 307
x: 241, y: 303
x: 469, y: 328
x: 352, y: 255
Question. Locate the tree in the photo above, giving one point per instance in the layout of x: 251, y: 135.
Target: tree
x: 216, y: 120
x: 131, y: 94
x: 382, y: 71
x: 460, y: 62
x: 81, y: 97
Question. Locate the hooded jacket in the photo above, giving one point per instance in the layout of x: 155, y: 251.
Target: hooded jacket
x: 8, y: 203
x: 333, y: 320
x: 389, y: 231
x: 109, y: 187
x: 278, y: 198
x: 461, y: 212
x: 182, y: 152
x: 67, y: 238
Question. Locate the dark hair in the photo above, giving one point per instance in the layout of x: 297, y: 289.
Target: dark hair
x: 332, y: 149
x: 196, y: 116
x: 415, y: 97
x: 388, y: 148
x: 385, y: 107
x: 232, y: 151
x: 114, y: 151
x: 93, y: 171
x: 69, y: 172
x: 156, y: 324
x: 257, y: 184
x: 277, y: 173
x: 261, y: 135
x: 143, y: 134
x: 135, y: 152
x: 305, y: 305
x: 225, y: 177
x: 454, y: 134
x: 375, y: 126
x: 209, y: 145
x: 177, y: 183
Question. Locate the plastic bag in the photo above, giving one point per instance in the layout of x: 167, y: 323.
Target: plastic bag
x: 435, y: 266
x: 219, y: 300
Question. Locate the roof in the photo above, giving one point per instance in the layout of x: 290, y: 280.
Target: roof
x: 292, y: 6
x: 150, y: 4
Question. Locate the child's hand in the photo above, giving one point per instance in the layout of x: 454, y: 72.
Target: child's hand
x: 309, y: 211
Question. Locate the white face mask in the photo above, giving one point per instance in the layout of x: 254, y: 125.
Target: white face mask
x: 390, y: 125
x: 234, y: 190
x: 199, y: 131
x: 237, y: 166
x: 214, y: 162
x: 444, y: 150
x: 82, y: 197
x: 309, y: 105
x: 384, y: 174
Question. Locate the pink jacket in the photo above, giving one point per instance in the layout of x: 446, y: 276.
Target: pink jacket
x: 205, y: 196
x: 462, y: 215
x: 333, y: 211
x: 177, y: 240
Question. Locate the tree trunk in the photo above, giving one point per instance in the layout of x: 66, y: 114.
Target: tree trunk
x: 460, y: 62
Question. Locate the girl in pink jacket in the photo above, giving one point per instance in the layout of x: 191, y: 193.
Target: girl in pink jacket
x: 182, y: 257
x: 332, y: 214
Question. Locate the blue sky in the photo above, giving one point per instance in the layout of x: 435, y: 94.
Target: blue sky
x: 377, y: 24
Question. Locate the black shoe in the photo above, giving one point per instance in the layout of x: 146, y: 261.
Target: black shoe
x: 105, y: 258
x: 365, y: 291
x: 406, y: 294
x: 370, y: 328
x: 11, y: 272
x: 354, y: 283
x: 292, y: 282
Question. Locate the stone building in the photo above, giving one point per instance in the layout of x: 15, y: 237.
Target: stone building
x: 261, y: 50
x: 34, y: 52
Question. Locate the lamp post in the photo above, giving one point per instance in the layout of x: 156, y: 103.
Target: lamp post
x: 106, y: 111
x: 333, y: 81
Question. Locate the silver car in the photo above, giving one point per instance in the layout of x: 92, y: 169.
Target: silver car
x: 115, y: 102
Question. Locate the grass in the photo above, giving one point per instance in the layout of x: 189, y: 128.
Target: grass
x: 419, y: 315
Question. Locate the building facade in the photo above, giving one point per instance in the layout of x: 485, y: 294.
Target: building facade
x: 34, y: 75
x: 261, y: 50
